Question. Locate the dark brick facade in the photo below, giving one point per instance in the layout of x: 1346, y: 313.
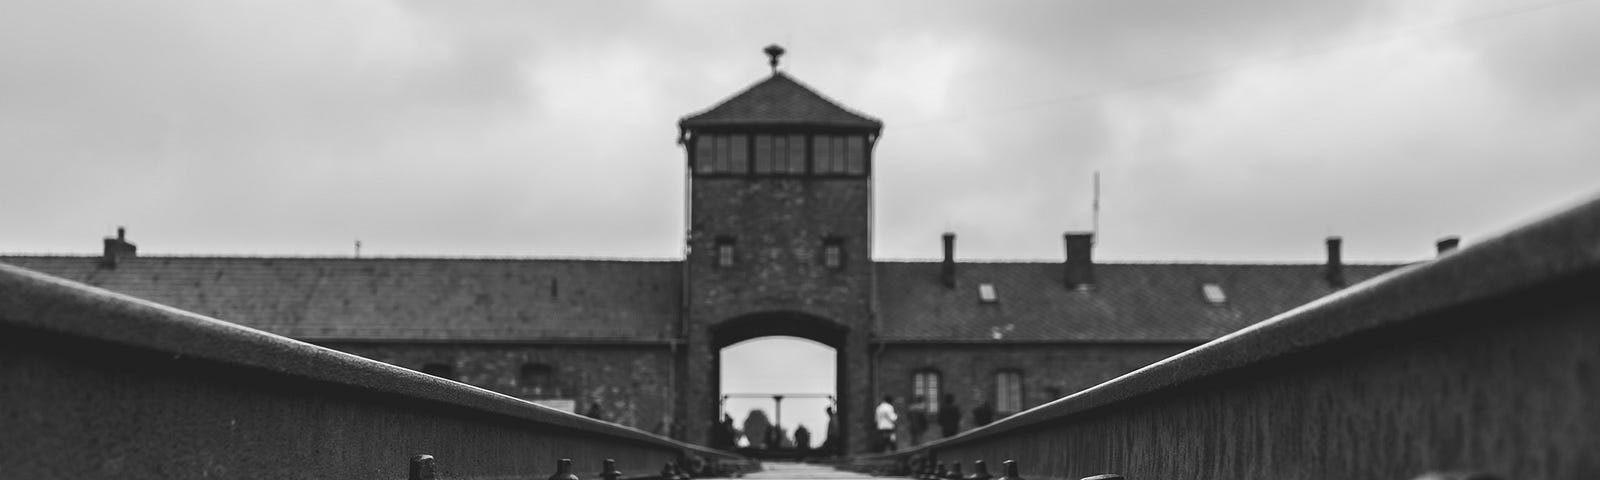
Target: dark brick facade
x: 778, y: 283
x: 632, y: 383
x: 1048, y: 371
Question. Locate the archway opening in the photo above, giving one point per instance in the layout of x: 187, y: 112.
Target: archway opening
x: 785, y: 370
x: 774, y: 386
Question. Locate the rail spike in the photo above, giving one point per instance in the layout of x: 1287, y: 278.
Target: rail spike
x: 564, y: 470
x: 955, y: 472
x: 980, y: 471
x: 1011, y: 471
x: 421, y: 468
x: 608, y: 470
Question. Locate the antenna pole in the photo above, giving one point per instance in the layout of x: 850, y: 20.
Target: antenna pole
x: 1096, y: 227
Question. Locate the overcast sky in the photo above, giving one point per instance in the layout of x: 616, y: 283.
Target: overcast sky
x: 1223, y: 130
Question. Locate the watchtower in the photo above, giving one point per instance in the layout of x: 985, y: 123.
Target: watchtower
x: 779, y: 241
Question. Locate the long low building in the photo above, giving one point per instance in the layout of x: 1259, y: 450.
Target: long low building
x: 780, y: 190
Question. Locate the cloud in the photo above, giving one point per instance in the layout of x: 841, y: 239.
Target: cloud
x: 1240, y: 129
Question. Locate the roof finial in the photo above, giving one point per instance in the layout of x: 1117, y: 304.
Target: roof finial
x: 773, y: 52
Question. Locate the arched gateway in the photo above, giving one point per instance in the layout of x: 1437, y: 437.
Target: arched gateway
x: 776, y: 323
x: 763, y: 325
x: 779, y: 239
x: 852, y: 372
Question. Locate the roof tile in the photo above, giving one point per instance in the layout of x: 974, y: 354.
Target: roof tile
x: 1148, y: 302
x: 779, y: 100
x: 410, y: 298
x: 520, y: 299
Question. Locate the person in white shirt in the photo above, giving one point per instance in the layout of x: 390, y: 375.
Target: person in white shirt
x: 885, y: 420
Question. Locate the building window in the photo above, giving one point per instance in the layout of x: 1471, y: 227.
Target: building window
x: 1008, y: 392
x: 440, y: 370
x: 1214, y: 293
x: 538, y: 380
x: 724, y: 252
x: 833, y: 253
x: 925, y: 384
x: 727, y: 154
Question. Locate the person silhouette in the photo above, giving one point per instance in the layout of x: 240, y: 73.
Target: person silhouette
x: 885, y: 420
x: 830, y: 439
x: 917, y: 418
x: 726, y: 438
x: 949, y: 415
x: 802, y: 438
x: 982, y: 414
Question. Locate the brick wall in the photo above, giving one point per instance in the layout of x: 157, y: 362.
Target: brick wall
x: 779, y: 226
x: 1048, y: 371
x: 632, y: 384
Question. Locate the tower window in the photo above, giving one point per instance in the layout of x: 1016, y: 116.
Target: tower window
x: 833, y: 253
x: 724, y: 252
x: 828, y: 154
x: 705, y: 154
x: 728, y: 154
x: 724, y: 153
x: 763, y: 164
x: 796, y: 145
x: 735, y: 158
x: 855, y: 155
x: 780, y: 154
x: 1008, y: 392
x: 839, y: 154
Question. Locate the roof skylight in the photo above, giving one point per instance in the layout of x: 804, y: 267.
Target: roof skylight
x: 986, y: 293
x: 1214, y: 293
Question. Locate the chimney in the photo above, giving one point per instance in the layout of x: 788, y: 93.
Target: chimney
x: 118, y: 248
x: 1335, y: 273
x: 947, y: 270
x: 1080, y: 260
x: 1448, y: 244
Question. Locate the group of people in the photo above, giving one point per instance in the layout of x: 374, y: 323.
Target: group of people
x: 759, y: 433
x: 947, y: 414
x: 920, y: 415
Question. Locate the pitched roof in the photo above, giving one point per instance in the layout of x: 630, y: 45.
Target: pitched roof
x: 1144, y: 302
x: 779, y: 100
x: 520, y: 299
x: 401, y: 298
